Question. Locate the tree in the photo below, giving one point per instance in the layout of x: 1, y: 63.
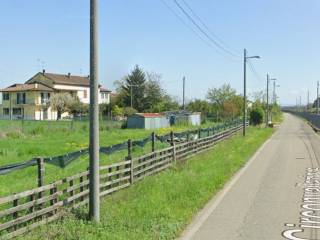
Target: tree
x: 256, y: 115
x: 75, y: 107
x: 60, y: 103
x: 134, y: 83
x: 148, y: 94
x: 168, y: 103
x: 117, y: 111
x: 220, y: 95
x: 153, y: 93
x: 199, y: 105
x: 225, y: 101
x: 128, y: 111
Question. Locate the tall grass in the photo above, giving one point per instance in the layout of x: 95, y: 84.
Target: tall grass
x: 161, y: 206
x: 48, y: 139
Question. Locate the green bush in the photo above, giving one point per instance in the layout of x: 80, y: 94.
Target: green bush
x: 128, y: 111
x: 256, y: 116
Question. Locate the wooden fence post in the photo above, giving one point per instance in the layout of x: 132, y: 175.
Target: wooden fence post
x: 81, y: 188
x: 40, y: 163
x: 129, y: 157
x: 71, y: 183
x: 199, y: 133
x: 171, y: 138
x: 15, y: 214
x: 174, y: 146
x: 153, y: 139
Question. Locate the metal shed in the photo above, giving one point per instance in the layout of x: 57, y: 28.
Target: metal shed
x: 195, y: 119
x: 148, y: 121
x: 184, y: 117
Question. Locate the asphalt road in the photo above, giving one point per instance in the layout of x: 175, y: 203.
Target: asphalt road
x: 275, y: 196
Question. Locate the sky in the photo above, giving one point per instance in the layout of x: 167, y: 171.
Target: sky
x: 54, y: 34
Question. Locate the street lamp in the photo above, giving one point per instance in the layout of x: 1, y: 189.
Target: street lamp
x: 274, y: 100
x: 268, y: 81
x: 245, y: 89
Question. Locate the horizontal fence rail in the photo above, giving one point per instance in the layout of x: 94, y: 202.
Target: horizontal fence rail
x: 24, y: 211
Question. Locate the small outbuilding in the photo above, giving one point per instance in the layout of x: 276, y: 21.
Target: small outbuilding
x: 184, y: 118
x: 148, y: 121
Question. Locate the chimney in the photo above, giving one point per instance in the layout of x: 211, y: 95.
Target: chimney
x: 43, y: 71
x: 69, y: 75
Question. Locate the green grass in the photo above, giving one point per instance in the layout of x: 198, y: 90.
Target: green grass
x: 161, y: 206
x: 19, y: 143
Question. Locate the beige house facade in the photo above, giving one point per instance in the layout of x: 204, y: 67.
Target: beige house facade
x: 30, y: 100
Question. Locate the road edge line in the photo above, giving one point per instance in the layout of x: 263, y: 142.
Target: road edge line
x: 206, y: 211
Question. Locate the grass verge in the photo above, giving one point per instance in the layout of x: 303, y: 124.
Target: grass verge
x: 161, y: 206
x: 48, y: 139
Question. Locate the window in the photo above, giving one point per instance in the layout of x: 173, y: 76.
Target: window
x: 21, y: 98
x: 16, y: 111
x: 103, y: 95
x: 5, y: 96
x: 45, y: 97
x: 6, y: 112
x: 85, y: 94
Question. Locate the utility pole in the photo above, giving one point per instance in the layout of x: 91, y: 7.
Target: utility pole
x: 131, y: 92
x: 183, y: 93
x: 267, y: 115
x: 244, y: 92
x: 245, y: 58
x: 274, y: 92
x: 94, y: 183
x: 318, y: 97
x: 308, y: 101
x: 300, y: 104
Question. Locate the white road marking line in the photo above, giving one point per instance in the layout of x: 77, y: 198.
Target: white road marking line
x: 203, y: 215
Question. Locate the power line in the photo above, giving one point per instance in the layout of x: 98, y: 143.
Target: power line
x: 253, y: 70
x: 203, y: 31
x: 184, y: 22
x: 208, y: 29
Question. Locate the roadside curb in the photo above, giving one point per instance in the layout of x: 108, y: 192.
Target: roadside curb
x: 314, y: 127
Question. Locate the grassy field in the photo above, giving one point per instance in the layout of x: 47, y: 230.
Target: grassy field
x: 161, y: 206
x: 21, y: 142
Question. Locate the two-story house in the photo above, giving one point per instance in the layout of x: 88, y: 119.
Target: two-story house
x: 30, y: 100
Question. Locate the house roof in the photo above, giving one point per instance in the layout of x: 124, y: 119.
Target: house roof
x: 51, y: 79
x: 102, y: 89
x: 150, y: 115
x: 68, y: 79
x: 27, y: 87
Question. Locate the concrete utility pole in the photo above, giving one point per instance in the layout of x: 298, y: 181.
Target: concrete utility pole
x: 94, y: 186
x: 273, y: 95
x: 245, y: 58
x: 274, y: 92
x: 318, y: 97
x: 300, y: 105
x: 267, y: 112
x: 245, y: 93
x: 131, y: 95
x: 183, y: 93
x: 308, y: 101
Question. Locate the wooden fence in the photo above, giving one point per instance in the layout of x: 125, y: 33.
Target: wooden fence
x: 24, y: 211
